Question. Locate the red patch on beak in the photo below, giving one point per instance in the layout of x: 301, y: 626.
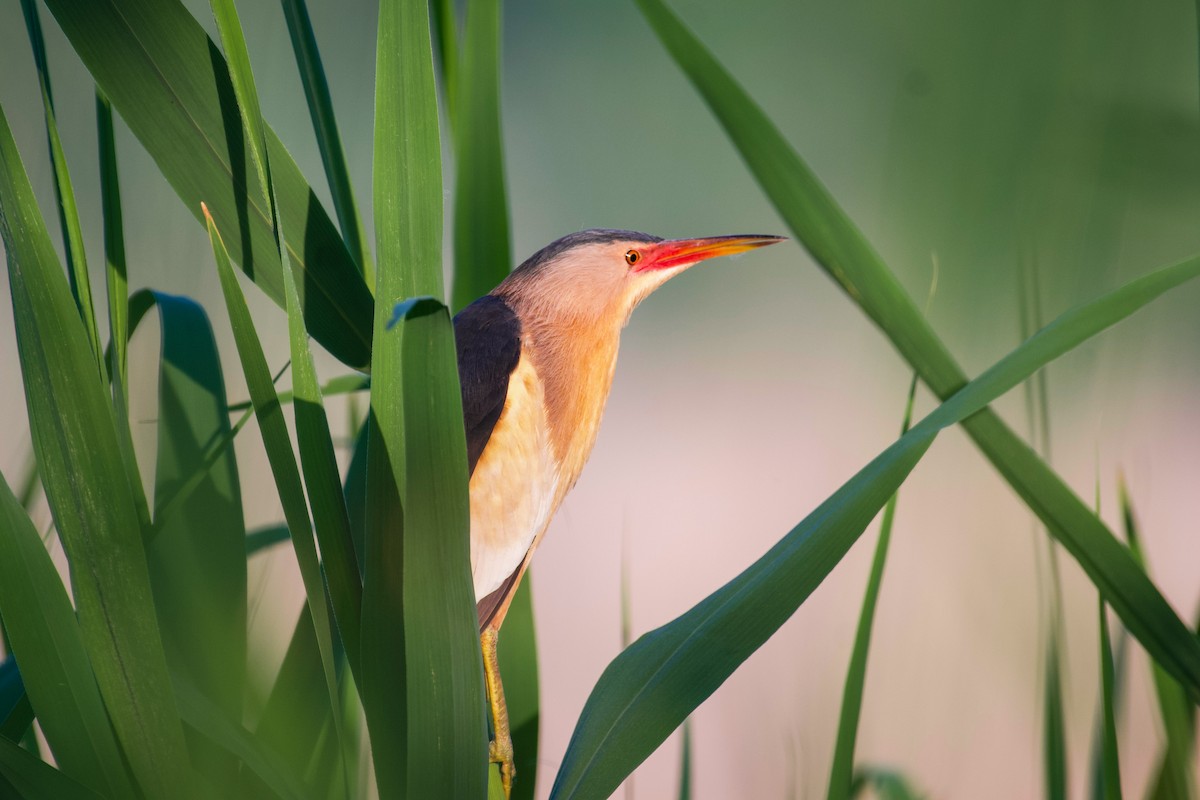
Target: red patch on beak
x: 685, y: 252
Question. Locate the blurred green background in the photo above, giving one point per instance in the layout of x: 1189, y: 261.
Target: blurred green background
x: 1063, y: 135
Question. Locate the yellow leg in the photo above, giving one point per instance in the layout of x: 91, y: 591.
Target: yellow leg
x: 500, y: 751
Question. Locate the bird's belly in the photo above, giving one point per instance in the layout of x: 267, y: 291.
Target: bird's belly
x: 514, y: 489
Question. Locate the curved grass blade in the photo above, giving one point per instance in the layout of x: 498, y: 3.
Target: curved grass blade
x: 197, y: 556
x: 88, y: 487
x: 482, y: 253
x: 280, y: 455
x: 342, y: 384
x: 171, y: 86
x: 44, y: 634
x: 841, y: 249
x: 651, y: 687
x: 419, y: 629
x: 68, y: 213
x: 842, y: 773
x: 24, y: 775
x: 329, y: 142
x: 1175, y: 775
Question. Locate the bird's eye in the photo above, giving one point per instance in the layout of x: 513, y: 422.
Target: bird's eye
x: 632, y: 257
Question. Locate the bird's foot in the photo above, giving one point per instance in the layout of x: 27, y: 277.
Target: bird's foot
x: 501, y: 752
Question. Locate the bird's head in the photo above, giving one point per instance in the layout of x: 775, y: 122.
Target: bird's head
x: 599, y: 276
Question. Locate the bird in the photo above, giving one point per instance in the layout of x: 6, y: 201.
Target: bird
x: 536, y: 359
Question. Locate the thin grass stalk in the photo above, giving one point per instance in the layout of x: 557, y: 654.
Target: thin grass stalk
x: 329, y: 141
x: 115, y: 269
x: 1037, y: 409
x: 841, y: 776
x: 68, y: 213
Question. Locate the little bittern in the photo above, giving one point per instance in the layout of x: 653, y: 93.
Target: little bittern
x: 536, y: 360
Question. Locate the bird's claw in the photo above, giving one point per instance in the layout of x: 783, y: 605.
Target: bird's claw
x: 501, y: 752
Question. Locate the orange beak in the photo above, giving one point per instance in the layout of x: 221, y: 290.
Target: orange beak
x: 685, y: 252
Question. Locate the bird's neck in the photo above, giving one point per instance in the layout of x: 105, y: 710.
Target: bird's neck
x: 576, y: 369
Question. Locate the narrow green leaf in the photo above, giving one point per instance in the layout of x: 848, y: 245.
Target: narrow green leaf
x: 115, y: 270
x: 44, y: 635
x: 1054, y: 742
x: 482, y: 254
x: 331, y: 518
x: 343, y: 384
x: 68, y: 213
x: 842, y: 775
x: 685, y: 762
x: 329, y: 142
x: 27, y: 776
x: 519, y: 671
x: 841, y: 249
x: 279, y: 453
x: 331, y: 522
x: 652, y: 686
x: 88, y: 487
x: 197, y: 556
x: 1110, y: 772
x: 1174, y: 779
x: 172, y: 88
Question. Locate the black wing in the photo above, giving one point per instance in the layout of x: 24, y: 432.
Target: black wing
x: 487, y: 334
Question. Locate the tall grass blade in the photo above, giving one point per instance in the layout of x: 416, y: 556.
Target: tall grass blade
x: 482, y: 254
x: 1054, y: 741
x: 841, y: 249
x: 116, y: 271
x: 280, y: 455
x: 171, y: 86
x: 652, y: 686
x: 43, y: 633
x: 1107, y: 779
x: 420, y: 631
x: 329, y: 142
x: 1037, y: 407
x: 685, y: 762
x: 24, y: 775
x: 75, y: 438
x: 319, y: 462
x: 1174, y: 779
x: 68, y: 213
x: 842, y: 773
x: 197, y: 558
